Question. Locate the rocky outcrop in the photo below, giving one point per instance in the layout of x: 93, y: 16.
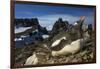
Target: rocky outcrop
x: 26, y: 22
x: 34, y: 23
x: 32, y: 35
x: 42, y: 29
x: 32, y: 60
x: 59, y: 26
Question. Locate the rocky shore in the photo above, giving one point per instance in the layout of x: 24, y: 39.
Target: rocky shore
x: 39, y: 52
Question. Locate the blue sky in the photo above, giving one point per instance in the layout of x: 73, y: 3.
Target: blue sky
x: 47, y: 15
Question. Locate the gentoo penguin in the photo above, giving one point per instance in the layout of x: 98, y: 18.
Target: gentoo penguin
x: 57, y: 39
x: 62, y: 43
x: 78, y: 26
x: 72, y: 48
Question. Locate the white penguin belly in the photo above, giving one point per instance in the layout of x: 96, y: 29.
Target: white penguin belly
x: 68, y: 49
x: 57, y: 42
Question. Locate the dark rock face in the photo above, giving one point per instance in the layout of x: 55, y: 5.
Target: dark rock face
x: 33, y: 34
x: 26, y: 22
x: 30, y: 22
x: 90, y: 29
x: 59, y: 26
x: 42, y: 29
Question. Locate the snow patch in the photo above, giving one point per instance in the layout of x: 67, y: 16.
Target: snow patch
x: 18, y: 39
x: 21, y: 29
x: 45, y: 36
x: 35, y: 31
x: 75, y: 23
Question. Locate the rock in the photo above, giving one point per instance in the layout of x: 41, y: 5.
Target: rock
x: 42, y: 29
x: 91, y: 55
x: 26, y: 22
x: 90, y: 29
x: 23, y: 53
x: 59, y: 25
x: 74, y: 60
x: 67, y: 60
x: 32, y: 60
x: 83, y: 53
